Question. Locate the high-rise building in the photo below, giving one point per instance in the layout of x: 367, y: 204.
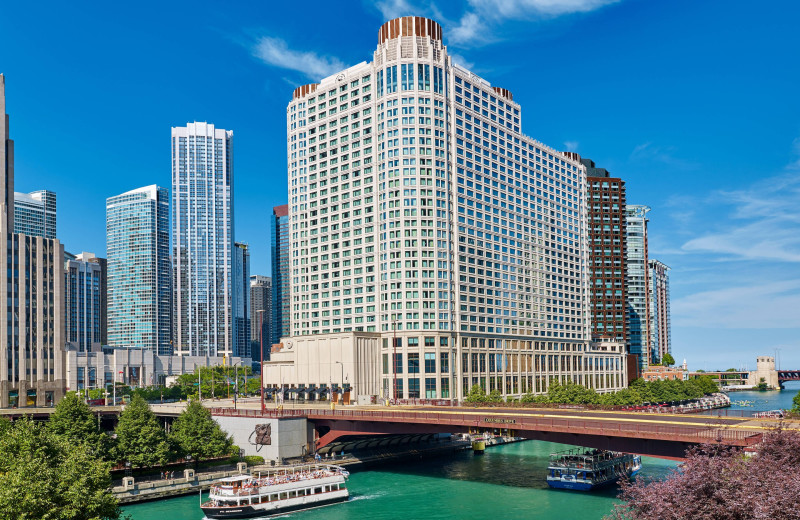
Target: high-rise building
x: 660, y: 330
x: 241, y: 300
x: 424, y: 220
x: 83, y: 302
x: 35, y: 213
x: 139, y: 274
x: 202, y: 239
x: 637, y: 284
x: 607, y: 249
x: 32, y: 277
x: 260, y: 315
x: 281, y: 285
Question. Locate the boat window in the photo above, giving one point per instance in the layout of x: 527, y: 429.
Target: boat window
x: 318, y: 490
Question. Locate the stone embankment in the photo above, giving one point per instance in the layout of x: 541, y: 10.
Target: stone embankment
x: 131, y: 491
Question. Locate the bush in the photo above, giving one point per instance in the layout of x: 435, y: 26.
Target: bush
x: 253, y: 460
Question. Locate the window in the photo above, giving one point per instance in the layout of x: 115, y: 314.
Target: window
x: 444, y: 362
x: 430, y: 388
x: 413, y: 388
x: 413, y: 365
x: 430, y: 362
x: 398, y: 363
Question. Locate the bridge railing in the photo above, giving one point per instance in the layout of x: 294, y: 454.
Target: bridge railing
x: 699, y: 432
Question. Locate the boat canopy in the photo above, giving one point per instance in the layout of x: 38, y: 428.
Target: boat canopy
x: 234, y: 479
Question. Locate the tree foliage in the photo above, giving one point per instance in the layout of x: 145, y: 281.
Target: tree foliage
x: 668, y: 360
x: 196, y: 433
x: 796, y: 403
x: 140, y: 438
x: 45, y: 476
x: 74, y: 421
x: 476, y: 395
x: 720, y: 483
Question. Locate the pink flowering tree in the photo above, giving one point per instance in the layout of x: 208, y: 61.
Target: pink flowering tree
x: 722, y: 483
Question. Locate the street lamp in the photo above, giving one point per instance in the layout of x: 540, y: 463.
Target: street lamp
x: 261, y: 369
x: 341, y: 394
x: 236, y: 382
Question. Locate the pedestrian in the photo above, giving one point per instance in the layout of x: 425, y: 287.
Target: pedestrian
x: 162, y: 475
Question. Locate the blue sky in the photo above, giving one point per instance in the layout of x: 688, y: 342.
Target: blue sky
x: 695, y: 104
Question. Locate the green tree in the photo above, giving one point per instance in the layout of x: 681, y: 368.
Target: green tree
x: 196, y: 433
x: 476, y: 395
x: 707, y: 384
x: 495, y: 396
x: 140, y: 438
x: 762, y: 385
x: 570, y: 393
x: 668, y: 360
x: 45, y: 476
x: 74, y: 421
x: 796, y: 403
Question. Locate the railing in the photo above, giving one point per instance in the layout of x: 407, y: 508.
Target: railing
x: 703, y: 432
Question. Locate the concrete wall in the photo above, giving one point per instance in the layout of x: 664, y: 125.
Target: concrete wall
x: 289, y: 437
x: 765, y: 367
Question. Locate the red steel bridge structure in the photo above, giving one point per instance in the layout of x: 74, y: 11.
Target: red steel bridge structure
x: 788, y: 375
x: 658, y: 435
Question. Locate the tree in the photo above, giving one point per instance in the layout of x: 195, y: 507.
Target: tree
x: 75, y: 422
x: 476, y: 395
x: 45, y: 476
x: 668, y: 360
x: 495, y: 396
x: 570, y: 393
x: 718, y: 482
x: 796, y: 403
x: 196, y: 433
x: 140, y: 438
x: 762, y: 385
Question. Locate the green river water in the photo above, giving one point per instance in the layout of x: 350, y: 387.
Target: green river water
x: 507, y: 482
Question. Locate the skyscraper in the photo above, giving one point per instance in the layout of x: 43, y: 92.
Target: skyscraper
x: 637, y: 284
x: 607, y: 262
x: 241, y: 301
x: 83, y: 302
x: 202, y: 239
x: 660, y: 327
x: 35, y: 213
x: 32, y: 277
x: 422, y: 215
x: 139, y: 276
x: 281, y: 287
x: 260, y: 314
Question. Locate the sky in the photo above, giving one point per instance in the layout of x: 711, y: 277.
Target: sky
x: 694, y: 104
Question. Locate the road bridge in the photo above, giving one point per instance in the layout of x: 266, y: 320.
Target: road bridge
x: 658, y: 435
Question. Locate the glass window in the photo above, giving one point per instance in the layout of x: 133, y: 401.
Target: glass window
x: 430, y: 388
x: 430, y: 362
x: 413, y: 388
x: 413, y: 363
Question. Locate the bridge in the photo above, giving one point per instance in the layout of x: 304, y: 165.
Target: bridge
x: 658, y: 435
x: 788, y: 375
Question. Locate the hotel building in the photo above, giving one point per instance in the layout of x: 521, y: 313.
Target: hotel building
x: 202, y: 240
x: 83, y: 302
x: 433, y: 245
x: 281, y: 288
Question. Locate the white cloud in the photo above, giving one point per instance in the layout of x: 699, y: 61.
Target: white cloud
x: 770, y: 223
x: 391, y: 9
x: 663, y: 154
x: 763, y: 306
x: 571, y: 146
x: 522, y: 9
x: 276, y: 52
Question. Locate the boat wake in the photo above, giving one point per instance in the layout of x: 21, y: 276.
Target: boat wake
x: 365, y: 497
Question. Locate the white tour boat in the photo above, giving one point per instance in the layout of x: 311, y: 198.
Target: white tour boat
x: 277, y: 491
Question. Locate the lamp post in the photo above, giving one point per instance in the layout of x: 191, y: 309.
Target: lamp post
x: 236, y: 382
x: 341, y: 398
x: 261, y: 369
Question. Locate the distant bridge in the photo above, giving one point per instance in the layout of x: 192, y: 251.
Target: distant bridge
x: 788, y: 375
x: 665, y: 436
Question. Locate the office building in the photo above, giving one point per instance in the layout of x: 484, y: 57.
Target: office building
x: 660, y: 331
x: 260, y: 315
x: 35, y: 213
x: 83, y: 302
x: 637, y: 284
x: 202, y: 239
x: 425, y: 224
x: 139, y: 275
x: 32, y: 277
x: 241, y: 301
x: 281, y: 286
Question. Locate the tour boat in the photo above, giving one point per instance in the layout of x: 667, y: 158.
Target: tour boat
x: 586, y: 469
x: 277, y: 491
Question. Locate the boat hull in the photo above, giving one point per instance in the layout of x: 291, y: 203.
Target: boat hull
x: 580, y: 486
x: 255, y: 511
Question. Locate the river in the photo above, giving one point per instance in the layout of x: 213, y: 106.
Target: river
x: 506, y: 482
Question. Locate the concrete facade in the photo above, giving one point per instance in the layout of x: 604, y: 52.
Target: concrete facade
x: 765, y: 368
x: 273, y: 439
x: 32, y: 280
